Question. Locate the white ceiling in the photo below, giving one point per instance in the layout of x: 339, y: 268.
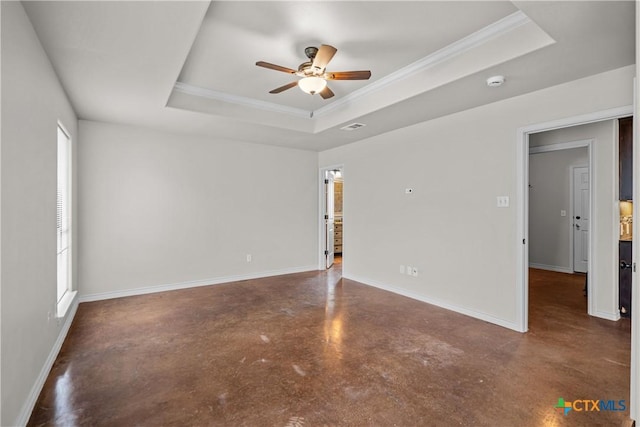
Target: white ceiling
x: 190, y: 66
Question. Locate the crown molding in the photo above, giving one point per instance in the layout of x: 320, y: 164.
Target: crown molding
x: 480, y: 37
x: 241, y: 100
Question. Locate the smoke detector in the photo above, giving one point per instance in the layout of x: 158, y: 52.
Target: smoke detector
x: 495, y: 81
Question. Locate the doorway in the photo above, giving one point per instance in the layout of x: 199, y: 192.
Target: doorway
x: 558, y: 212
x: 338, y: 185
x: 331, y: 216
x: 610, y: 231
x: 603, y: 231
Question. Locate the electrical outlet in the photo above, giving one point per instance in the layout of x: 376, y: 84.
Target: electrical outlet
x: 409, y: 270
x: 248, y: 257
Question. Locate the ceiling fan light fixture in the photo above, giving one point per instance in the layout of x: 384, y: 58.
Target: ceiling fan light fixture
x: 312, y: 85
x: 313, y: 75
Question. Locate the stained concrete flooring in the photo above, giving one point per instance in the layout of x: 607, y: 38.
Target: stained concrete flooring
x: 312, y: 349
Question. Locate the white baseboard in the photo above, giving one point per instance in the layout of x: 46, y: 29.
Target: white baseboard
x: 551, y: 268
x: 606, y: 315
x: 193, y: 284
x: 462, y: 310
x: 32, y: 398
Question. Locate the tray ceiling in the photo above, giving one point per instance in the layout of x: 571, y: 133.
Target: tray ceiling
x: 190, y: 66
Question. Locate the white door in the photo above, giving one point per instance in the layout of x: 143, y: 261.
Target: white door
x: 329, y: 218
x: 580, y: 219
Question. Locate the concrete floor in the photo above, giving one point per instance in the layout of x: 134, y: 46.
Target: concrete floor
x: 312, y: 349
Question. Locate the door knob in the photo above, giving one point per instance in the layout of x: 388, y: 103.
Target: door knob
x: 578, y: 226
x: 577, y: 217
x: 623, y: 265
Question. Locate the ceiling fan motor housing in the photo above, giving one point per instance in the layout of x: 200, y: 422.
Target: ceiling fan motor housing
x: 311, y: 52
x: 305, y: 69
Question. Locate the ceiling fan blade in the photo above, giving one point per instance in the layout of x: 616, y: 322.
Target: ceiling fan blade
x: 275, y: 67
x: 324, y: 55
x: 285, y: 87
x: 349, y: 75
x: 326, y: 93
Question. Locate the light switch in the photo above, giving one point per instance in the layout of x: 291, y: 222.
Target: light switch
x: 503, y: 201
x: 563, y: 213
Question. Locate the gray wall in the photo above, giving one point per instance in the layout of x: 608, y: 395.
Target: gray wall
x: 450, y: 228
x: 550, y: 192
x: 159, y: 209
x: 32, y: 103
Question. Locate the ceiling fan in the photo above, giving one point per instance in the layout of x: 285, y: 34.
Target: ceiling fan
x: 314, y: 74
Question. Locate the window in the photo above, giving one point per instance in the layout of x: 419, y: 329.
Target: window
x: 63, y: 223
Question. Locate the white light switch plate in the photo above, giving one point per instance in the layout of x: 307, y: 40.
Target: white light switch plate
x: 563, y: 213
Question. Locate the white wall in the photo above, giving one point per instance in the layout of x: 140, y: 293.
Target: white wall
x: 450, y: 228
x: 32, y: 103
x: 550, y: 234
x: 159, y: 209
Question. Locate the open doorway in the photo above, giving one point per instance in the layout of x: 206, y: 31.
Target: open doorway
x: 332, y: 217
x: 559, y: 204
x: 338, y: 184
x: 604, y: 219
x: 604, y: 225
x: 559, y: 216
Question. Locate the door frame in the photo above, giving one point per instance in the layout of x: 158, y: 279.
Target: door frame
x: 522, y: 202
x: 522, y: 245
x: 634, y: 394
x: 321, y: 208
